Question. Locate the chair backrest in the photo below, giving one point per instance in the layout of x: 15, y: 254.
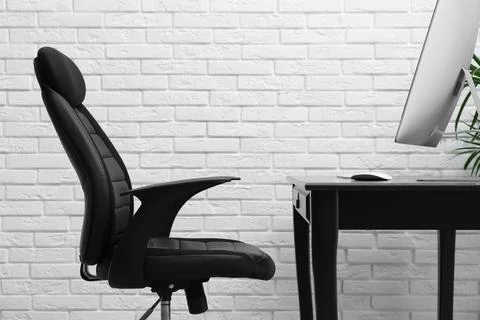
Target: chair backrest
x: 99, y: 167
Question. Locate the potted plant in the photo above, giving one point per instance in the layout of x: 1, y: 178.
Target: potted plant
x: 470, y: 136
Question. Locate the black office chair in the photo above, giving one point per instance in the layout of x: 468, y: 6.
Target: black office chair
x: 135, y: 251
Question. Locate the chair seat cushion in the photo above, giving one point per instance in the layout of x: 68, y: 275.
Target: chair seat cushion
x: 176, y: 258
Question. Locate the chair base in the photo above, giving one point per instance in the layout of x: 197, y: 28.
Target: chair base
x: 165, y: 310
x: 164, y: 300
x: 196, y: 299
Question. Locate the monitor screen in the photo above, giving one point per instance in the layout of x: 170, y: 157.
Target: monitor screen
x: 438, y: 79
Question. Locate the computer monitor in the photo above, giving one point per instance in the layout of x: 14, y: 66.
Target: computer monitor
x: 441, y: 72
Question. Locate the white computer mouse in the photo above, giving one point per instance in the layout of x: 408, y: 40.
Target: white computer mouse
x: 371, y: 176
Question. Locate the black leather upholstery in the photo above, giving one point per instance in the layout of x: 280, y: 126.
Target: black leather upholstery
x: 134, y: 251
x: 62, y: 75
x: 205, y: 258
x: 101, y: 170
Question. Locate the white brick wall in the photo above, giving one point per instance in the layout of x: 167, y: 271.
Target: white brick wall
x: 254, y: 88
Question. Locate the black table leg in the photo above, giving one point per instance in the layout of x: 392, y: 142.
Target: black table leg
x: 446, y: 273
x: 324, y: 253
x: 302, y: 244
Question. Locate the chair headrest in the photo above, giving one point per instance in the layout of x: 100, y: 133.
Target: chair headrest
x: 59, y: 72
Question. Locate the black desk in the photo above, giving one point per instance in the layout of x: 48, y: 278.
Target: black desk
x: 323, y: 205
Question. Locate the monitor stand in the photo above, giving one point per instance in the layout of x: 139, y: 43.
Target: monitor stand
x: 476, y: 100
x: 473, y: 89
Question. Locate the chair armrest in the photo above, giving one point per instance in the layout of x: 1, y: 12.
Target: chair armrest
x: 182, y: 186
x: 160, y: 205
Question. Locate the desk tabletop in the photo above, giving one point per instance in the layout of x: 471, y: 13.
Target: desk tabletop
x: 336, y: 183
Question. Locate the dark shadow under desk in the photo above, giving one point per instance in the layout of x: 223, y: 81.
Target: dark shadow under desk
x: 323, y: 205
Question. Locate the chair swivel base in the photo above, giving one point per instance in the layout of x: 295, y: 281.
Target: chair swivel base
x: 195, y: 294
x: 164, y: 301
x: 165, y: 310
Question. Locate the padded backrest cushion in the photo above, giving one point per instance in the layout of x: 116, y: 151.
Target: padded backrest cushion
x: 120, y: 209
x: 62, y: 75
x: 102, y: 173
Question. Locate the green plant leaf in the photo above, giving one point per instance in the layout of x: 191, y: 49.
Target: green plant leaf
x: 476, y: 59
x: 470, y: 159
x: 472, y: 125
x: 476, y: 166
x: 473, y: 142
